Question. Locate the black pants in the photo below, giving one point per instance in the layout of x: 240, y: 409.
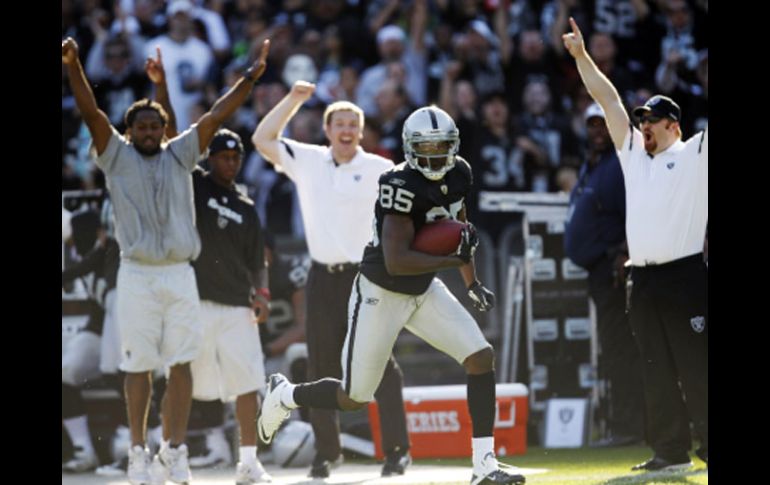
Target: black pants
x: 327, y: 323
x: 619, y: 362
x: 669, y: 317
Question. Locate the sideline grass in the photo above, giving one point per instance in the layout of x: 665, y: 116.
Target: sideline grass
x: 588, y: 466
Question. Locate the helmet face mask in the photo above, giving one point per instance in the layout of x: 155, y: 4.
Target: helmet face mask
x: 430, y: 141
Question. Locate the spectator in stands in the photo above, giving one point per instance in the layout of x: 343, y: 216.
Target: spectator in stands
x: 393, y: 107
x: 393, y: 46
x: 187, y: 60
x: 532, y: 60
x: 545, y: 137
x: 118, y: 80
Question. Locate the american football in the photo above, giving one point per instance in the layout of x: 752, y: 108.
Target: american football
x: 440, y: 238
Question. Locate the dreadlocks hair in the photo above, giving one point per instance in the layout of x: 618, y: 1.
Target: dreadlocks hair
x: 144, y: 105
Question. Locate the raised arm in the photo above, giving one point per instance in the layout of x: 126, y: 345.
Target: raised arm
x: 97, y: 122
x: 599, y: 87
x: 225, y: 106
x: 265, y: 137
x: 156, y: 73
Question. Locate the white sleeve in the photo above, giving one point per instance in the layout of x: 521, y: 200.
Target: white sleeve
x: 106, y: 161
x: 703, y: 146
x: 297, y: 158
x: 632, y: 145
x: 215, y: 29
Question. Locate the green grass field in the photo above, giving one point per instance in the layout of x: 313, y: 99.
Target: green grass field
x: 586, y: 466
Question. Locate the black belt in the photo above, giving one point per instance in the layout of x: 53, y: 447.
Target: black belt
x: 670, y: 264
x: 337, y: 267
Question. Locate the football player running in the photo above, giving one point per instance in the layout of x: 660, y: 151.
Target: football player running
x: 396, y: 288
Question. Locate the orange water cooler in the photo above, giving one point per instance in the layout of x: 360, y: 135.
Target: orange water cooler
x: 440, y: 426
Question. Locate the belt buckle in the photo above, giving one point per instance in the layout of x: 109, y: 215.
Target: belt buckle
x: 334, y: 268
x: 650, y: 263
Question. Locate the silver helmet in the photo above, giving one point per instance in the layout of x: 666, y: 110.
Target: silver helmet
x: 427, y: 128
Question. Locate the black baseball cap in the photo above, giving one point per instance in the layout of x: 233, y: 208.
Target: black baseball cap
x: 225, y: 139
x: 84, y: 227
x: 661, y: 106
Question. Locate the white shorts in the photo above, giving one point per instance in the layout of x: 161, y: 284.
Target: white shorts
x: 158, y: 315
x: 230, y: 362
x: 80, y: 359
x: 110, y: 346
x: 375, y: 318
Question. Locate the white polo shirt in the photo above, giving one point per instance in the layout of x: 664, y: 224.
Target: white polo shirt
x: 337, y: 202
x: 666, y: 198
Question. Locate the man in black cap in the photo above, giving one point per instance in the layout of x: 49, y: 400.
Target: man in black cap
x: 232, y: 282
x: 666, y: 183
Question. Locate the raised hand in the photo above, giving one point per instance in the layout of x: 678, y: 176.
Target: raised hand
x: 154, y: 68
x: 69, y: 50
x: 258, y: 68
x: 573, y: 42
x: 302, y: 90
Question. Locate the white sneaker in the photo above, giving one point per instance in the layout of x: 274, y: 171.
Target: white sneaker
x: 139, y: 465
x: 82, y: 461
x: 174, y: 460
x: 121, y: 442
x: 250, y: 473
x: 273, y: 412
x: 491, y: 472
x: 116, y: 469
x: 218, y: 451
x: 157, y: 472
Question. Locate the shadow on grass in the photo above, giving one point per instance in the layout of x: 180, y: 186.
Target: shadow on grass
x: 657, y: 477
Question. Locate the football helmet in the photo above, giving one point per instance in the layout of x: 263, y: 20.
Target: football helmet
x: 431, y: 134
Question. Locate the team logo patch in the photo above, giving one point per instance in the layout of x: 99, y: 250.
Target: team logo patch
x: 372, y: 301
x: 670, y: 165
x: 128, y: 354
x: 444, y: 189
x: 566, y: 414
x: 397, y: 182
x: 221, y: 222
x: 357, y: 178
x: 698, y: 323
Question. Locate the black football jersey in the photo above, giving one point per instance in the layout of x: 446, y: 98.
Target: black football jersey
x: 405, y: 191
x: 288, y: 274
x: 231, y: 242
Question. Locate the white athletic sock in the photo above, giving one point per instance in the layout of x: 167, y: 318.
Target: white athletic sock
x: 77, y: 428
x: 481, y: 448
x: 247, y: 454
x: 287, y: 397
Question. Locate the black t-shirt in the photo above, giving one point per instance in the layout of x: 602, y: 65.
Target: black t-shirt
x: 288, y: 274
x: 405, y: 191
x: 231, y: 239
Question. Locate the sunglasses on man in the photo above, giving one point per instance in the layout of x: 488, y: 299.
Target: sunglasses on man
x: 651, y: 119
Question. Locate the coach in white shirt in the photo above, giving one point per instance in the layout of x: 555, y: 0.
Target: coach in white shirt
x: 666, y: 215
x: 337, y: 187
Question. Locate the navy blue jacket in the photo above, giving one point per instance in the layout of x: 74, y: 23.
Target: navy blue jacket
x: 597, y: 212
